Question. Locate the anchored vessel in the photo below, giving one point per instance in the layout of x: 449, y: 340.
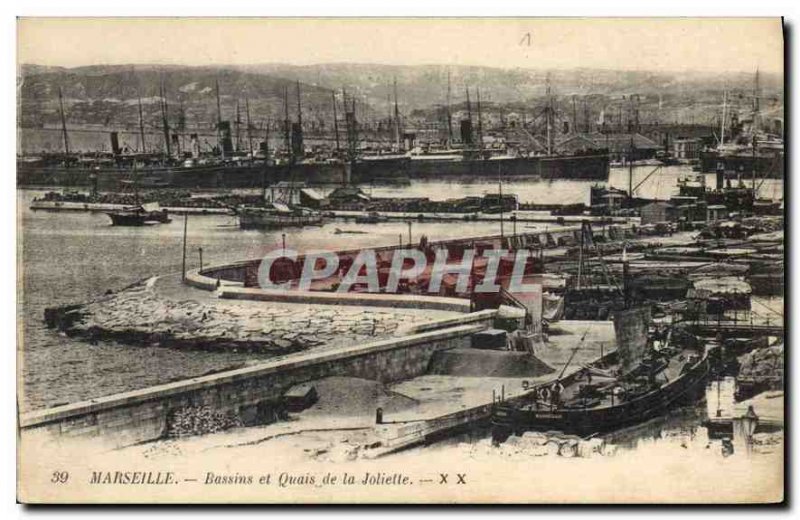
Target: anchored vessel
x: 637, y: 382
x: 251, y: 217
x: 751, y: 148
x: 229, y: 167
x: 138, y: 216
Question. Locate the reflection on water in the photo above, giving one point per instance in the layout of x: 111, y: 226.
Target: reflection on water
x: 685, y: 428
x: 649, y: 182
x: 677, y: 434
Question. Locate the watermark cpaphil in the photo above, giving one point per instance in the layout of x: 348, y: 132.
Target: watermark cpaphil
x: 466, y: 272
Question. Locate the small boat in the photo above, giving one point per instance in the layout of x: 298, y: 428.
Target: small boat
x: 629, y: 386
x: 373, y: 217
x: 338, y: 231
x: 667, y: 159
x: 138, y: 216
x: 276, y: 216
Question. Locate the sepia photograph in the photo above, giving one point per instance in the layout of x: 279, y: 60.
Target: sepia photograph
x: 400, y: 260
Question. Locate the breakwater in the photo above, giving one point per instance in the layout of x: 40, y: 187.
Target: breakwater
x: 251, y: 394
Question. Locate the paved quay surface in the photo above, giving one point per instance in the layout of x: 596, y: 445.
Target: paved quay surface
x: 341, y: 425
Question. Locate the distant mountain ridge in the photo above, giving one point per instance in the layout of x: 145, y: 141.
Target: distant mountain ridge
x: 107, y: 94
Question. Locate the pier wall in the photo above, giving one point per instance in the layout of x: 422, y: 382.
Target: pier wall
x: 245, y: 273
x: 236, y: 291
x: 249, y: 395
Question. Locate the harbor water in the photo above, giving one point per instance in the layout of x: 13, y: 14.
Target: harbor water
x: 73, y: 257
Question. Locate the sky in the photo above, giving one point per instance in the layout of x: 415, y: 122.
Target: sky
x: 674, y: 44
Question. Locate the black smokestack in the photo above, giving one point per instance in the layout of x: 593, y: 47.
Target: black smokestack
x: 115, y: 143
x: 466, y: 132
x: 225, y: 132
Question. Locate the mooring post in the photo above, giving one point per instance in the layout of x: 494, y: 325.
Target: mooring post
x: 200, y: 251
x: 185, y: 227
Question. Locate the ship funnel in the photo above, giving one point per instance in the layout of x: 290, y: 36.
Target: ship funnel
x: 195, y: 146
x: 227, y: 143
x: 466, y: 132
x: 115, y: 143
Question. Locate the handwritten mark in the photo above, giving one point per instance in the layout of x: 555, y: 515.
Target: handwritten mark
x: 526, y: 40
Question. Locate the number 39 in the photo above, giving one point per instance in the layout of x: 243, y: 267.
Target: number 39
x: 60, y: 477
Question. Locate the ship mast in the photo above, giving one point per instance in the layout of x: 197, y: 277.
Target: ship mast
x: 238, y: 124
x: 335, y: 123
x: 63, y: 121
x: 355, y: 128
x: 449, y: 115
x: 299, y: 108
x: 181, y: 127
x: 574, y: 114
x: 299, y: 123
x: 219, y: 123
x: 755, y: 145
x: 350, y: 126
x: 266, y: 162
x: 165, y: 119
x: 549, y: 116
x: 141, y: 125
x: 500, y: 193
x: 480, y: 124
x: 396, y: 118
x: 630, y: 170
x: 287, y: 137
x: 389, y: 130
x: 724, y: 116
x: 469, y: 118
x: 756, y: 103
x: 247, y: 120
x: 586, y: 117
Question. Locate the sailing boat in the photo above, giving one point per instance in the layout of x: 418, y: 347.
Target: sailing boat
x: 284, y: 209
x: 139, y: 214
x: 642, y: 379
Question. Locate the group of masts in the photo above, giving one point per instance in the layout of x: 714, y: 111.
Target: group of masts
x: 293, y: 133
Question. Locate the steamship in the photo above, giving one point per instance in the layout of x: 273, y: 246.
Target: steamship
x: 753, y: 147
x: 227, y: 167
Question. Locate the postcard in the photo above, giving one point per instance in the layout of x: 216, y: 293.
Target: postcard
x: 400, y: 260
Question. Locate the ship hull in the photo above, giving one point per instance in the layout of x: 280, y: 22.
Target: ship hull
x: 687, y: 388
x: 125, y: 218
x: 199, y: 177
x: 769, y: 166
x: 377, y: 170
x: 581, y: 167
x: 120, y: 219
